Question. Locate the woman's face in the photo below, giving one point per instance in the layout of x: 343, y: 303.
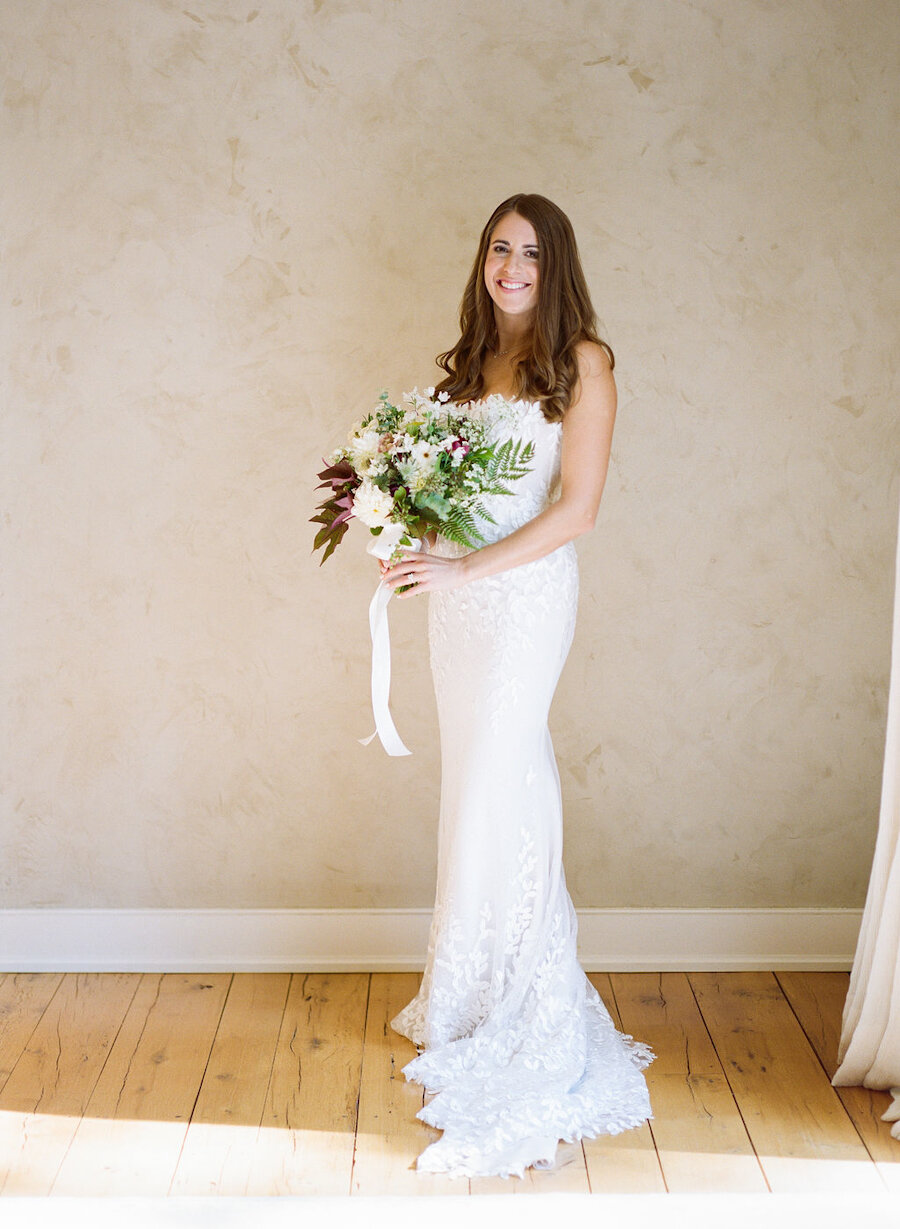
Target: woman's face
x: 511, y: 266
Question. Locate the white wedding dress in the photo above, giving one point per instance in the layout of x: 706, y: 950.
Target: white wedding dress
x: 516, y: 1044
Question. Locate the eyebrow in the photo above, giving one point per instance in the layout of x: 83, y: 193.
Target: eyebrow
x: 509, y: 244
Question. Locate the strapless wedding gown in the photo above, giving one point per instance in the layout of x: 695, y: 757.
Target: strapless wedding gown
x: 516, y: 1044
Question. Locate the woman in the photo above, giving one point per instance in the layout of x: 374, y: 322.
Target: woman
x: 514, y: 1041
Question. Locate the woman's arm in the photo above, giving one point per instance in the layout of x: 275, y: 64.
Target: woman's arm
x: 586, y: 439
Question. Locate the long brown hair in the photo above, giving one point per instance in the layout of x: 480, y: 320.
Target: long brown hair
x: 548, y: 371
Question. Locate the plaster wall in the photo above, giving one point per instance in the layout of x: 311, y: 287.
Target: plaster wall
x: 228, y: 227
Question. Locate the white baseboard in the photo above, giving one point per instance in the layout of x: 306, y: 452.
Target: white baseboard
x: 341, y: 940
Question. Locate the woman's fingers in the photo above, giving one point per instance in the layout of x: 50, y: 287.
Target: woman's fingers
x: 419, y: 572
x: 423, y: 574
x: 411, y: 570
x: 405, y: 565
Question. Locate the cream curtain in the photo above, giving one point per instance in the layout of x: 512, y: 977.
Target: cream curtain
x: 870, y: 1039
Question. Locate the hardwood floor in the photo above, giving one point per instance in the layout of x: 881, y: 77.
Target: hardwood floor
x: 280, y: 1084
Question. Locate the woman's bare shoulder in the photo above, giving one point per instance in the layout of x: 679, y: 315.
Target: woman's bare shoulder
x: 593, y: 359
x: 595, y: 374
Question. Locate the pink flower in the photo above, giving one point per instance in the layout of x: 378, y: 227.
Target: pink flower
x: 458, y: 445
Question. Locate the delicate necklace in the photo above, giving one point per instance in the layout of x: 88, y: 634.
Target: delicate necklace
x: 503, y: 353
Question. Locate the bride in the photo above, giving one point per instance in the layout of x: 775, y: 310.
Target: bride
x: 514, y: 1042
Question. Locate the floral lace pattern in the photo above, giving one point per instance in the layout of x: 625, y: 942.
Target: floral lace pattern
x: 517, y: 1046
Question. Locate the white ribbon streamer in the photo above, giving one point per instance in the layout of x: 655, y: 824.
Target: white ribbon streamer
x: 381, y: 674
x: 381, y: 656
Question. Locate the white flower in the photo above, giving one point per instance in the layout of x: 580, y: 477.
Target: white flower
x: 442, y: 397
x: 363, y: 447
x: 413, y: 479
x: 429, y: 392
x: 419, y: 466
x: 371, y: 505
x: 418, y: 402
x: 375, y: 466
x: 364, y: 437
x: 423, y: 455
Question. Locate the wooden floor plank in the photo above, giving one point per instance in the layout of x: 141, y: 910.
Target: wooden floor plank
x: 799, y: 1128
x: 51, y: 1084
x: 219, y: 1148
x: 305, y: 1144
x: 818, y: 1003
x: 702, y: 1143
x: 131, y: 1136
x: 23, y: 1000
x: 389, y: 1136
x: 100, y: 1074
x: 625, y: 1164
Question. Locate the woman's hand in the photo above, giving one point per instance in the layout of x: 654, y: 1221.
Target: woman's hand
x: 424, y: 573
x: 429, y: 539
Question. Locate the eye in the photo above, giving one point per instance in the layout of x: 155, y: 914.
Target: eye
x: 531, y: 253
x: 500, y: 248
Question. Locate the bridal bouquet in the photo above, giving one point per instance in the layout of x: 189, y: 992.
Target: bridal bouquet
x: 407, y: 469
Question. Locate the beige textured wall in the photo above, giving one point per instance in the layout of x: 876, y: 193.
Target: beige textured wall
x: 226, y: 227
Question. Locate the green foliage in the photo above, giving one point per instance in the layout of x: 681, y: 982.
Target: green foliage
x: 503, y: 465
x: 431, y: 501
x: 459, y: 526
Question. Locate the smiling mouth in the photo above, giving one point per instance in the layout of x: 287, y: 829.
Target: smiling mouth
x: 505, y: 285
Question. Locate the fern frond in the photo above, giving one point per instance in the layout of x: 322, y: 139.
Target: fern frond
x: 460, y: 526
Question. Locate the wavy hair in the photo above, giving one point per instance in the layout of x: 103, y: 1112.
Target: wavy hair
x: 548, y: 370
